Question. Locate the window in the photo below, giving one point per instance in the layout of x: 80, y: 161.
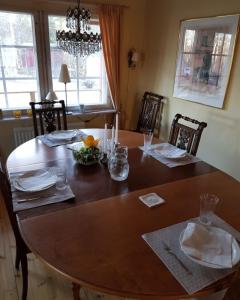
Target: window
x: 88, y: 77
x: 20, y: 78
x: 18, y: 60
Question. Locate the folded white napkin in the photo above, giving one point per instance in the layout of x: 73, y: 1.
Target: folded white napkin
x: 172, y: 153
x: 211, y: 245
x: 35, y: 180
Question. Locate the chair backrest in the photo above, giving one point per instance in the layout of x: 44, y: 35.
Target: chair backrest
x: 48, y: 116
x: 151, y: 104
x: 186, y: 137
x: 7, y: 197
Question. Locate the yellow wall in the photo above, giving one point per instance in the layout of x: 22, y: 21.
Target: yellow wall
x: 132, y: 26
x: 220, y: 143
x: 152, y: 28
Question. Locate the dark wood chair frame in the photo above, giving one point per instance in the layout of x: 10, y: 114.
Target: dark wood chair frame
x: 51, y: 116
x: 186, y: 137
x: 21, y: 248
x: 151, y: 105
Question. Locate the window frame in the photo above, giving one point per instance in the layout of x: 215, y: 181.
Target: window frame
x: 43, y: 57
x: 33, y: 15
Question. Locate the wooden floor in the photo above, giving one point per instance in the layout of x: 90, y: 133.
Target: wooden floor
x: 44, y: 284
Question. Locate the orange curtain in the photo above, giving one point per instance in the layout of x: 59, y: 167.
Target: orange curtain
x: 109, y: 19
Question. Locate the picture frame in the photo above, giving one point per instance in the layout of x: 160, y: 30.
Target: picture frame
x: 204, y: 59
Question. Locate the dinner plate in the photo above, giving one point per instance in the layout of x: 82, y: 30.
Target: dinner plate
x: 60, y: 135
x: 173, y: 154
x: 235, y: 254
x: 34, y: 181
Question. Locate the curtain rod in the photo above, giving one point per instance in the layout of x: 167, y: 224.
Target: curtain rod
x: 86, y: 3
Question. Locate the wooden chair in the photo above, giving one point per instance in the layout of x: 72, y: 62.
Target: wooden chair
x: 151, y: 104
x: 21, y: 247
x: 185, y: 137
x: 50, y: 115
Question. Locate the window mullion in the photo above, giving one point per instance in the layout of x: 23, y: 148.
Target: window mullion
x: 47, y: 52
x: 41, y: 46
x: 3, y: 78
x: 78, y: 89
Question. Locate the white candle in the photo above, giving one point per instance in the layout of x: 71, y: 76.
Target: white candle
x: 116, y: 132
x: 105, y: 139
x: 112, y: 143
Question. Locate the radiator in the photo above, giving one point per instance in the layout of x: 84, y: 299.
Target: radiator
x: 22, y: 135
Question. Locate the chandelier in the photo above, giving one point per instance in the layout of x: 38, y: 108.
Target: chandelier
x: 78, y: 40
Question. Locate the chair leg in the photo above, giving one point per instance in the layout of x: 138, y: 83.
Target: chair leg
x: 17, y: 259
x: 76, y: 291
x: 24, y: 265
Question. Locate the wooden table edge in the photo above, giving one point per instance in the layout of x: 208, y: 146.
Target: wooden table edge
x: 213, y: 288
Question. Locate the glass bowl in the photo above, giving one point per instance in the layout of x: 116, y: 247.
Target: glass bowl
x: 87, y: 156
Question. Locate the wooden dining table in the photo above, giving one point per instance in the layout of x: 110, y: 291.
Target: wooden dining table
x: 95, y: 239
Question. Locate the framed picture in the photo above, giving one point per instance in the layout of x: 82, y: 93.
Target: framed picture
x: 204, y: 59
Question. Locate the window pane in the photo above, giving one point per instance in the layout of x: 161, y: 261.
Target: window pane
x: 60, y: 86
x: 90, y: 97
x: 71, y: 97
x: 90, y: 84
x: 2, y: 101
x: 1, y: 85
x: 19, y: 100
x: 19, y: 62
x: 88, y: 79
x: 21, y: 85
x: 18, y: 58
x: 16, y: 29
x: 58, y: 57
x: 93, y: 65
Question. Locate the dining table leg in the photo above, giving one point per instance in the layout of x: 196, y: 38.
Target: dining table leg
x: 76, y: 291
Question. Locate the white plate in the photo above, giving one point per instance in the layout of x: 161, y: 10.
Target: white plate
x: 173, y: 154
x: 60, y: 135
x: 235, y: 253
x: 34, y: 181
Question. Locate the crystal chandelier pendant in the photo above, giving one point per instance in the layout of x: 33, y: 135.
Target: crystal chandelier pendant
x: 78, y: 40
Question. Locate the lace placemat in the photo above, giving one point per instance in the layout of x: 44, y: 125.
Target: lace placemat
x: 171, y: 163
x: 53, y: 143
x: 26, y: 200
x: 192, y: 276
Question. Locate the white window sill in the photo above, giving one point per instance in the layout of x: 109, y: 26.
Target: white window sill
x: 86, y: 113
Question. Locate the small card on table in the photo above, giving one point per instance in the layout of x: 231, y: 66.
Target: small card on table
x: 151, y: 199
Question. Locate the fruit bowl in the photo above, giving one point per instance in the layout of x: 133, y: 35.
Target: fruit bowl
x: 87, y: 156
x: 88, y: 152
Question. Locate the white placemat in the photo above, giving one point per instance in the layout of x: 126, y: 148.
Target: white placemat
x: 171, y: 163
x: 53, y: 143
x: 198, y: 276
x: 40, y: 198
